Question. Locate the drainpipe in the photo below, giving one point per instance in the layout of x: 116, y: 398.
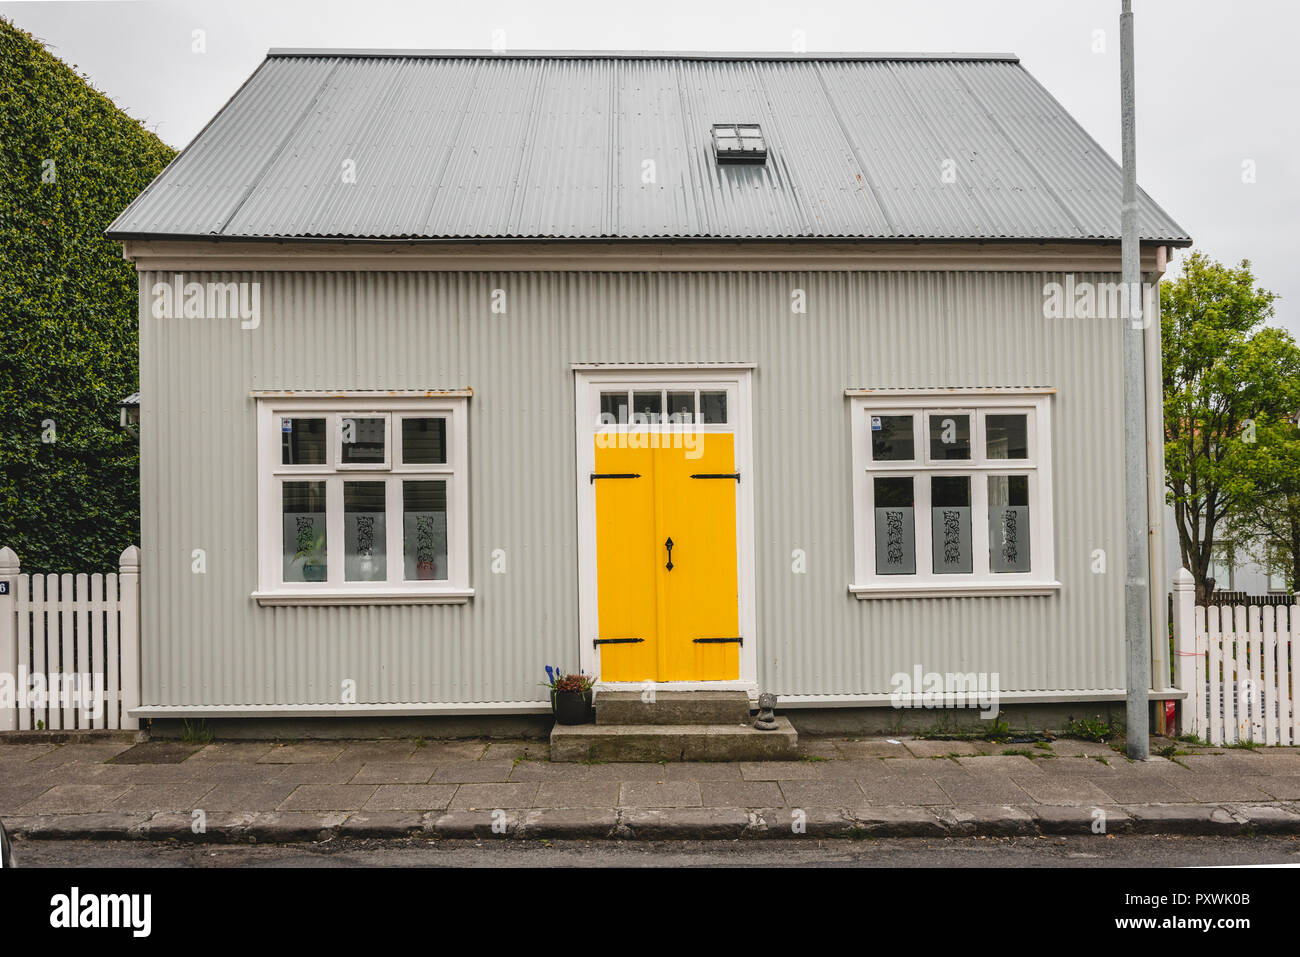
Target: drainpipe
x: 1137, y: 610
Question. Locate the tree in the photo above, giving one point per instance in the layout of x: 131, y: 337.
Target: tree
x: 1269, y: 523
x: 70, y: 161
x: 1231, y: 384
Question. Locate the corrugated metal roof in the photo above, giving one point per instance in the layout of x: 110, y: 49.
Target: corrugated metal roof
x: 449, y: 145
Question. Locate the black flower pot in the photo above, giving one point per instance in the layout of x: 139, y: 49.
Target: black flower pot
x: 572, y: 707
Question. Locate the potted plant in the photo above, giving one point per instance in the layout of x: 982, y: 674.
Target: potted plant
x: 571, y: 696
x: 313, y: 558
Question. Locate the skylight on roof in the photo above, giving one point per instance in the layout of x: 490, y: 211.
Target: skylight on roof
x: 739, y: 143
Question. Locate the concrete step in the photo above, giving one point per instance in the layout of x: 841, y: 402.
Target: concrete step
x: 672, y: 707
x: 673, y: 742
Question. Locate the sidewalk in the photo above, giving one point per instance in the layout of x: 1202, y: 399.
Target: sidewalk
x: 310, y: 791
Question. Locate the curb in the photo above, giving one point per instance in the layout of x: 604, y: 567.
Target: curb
x: 663, y: 824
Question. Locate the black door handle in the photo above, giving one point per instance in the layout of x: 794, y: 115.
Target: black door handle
x: 669, y: 545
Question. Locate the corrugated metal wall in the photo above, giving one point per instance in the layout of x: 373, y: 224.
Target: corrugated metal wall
x: 207, y: 643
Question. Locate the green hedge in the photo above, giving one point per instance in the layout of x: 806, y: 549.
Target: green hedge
x: 68, y: 301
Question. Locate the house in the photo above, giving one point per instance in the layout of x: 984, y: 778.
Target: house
x: 729, y: 372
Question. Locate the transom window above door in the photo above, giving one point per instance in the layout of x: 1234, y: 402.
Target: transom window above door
x: 952, y: 493
x: 652, y: 406
x: 362, y: 502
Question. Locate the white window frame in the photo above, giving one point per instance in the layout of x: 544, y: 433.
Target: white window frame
x: 271, y: 473
x: 977, y: 403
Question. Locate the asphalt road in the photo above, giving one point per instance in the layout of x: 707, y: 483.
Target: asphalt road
x: 1133, y: 851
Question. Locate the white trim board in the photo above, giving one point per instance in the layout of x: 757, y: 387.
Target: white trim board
x: 227, y: 255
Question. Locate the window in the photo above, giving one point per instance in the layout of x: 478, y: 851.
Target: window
x: 952, y: 493
x: 664, y: 407
x: 362, y: 500
x: 739, y: 143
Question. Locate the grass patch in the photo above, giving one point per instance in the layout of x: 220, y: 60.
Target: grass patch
x: 196, y: 732
x: 1090, y: 729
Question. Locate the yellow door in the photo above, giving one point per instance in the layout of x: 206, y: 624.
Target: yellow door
x: 687, y: 615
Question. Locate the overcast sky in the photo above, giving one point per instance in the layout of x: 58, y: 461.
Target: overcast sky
x: 1217, y: 82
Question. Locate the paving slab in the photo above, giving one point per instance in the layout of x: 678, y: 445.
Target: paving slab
x: 1218, y: 788
x: 13, y: 796
x: 392, y: 772
x: 234, y: 796
x: 1282, y: 788
x: 473, y: 772
x: 780, y: 771
x: 873, y: 748
x: 477, y: 797
x: 742, y: 794
x: 918, y: 790
x: 74, y: 799
x: 328, y: 797
x: 161, y: 797
x: 377, y: 752
x: 547, y: 771
x: 312, y: 752
x: 657, y: 794
x: 929, y: 748
x: 1141, y: 790
x: 844, y: 794
x: 329, y: 773
x: 1075, y: 791
x: 580, y: 794
x: 410, y: 797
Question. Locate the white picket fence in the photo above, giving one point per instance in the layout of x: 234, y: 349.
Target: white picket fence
x: 1240, y: 668
x: 70, y: 646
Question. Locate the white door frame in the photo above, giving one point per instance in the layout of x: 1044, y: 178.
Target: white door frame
x: 588, y: 382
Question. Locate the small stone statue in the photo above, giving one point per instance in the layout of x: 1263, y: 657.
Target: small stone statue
x: 766, y: 720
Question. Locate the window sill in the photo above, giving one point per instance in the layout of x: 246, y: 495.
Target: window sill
x: 971, y: 590
x: 446, y: 596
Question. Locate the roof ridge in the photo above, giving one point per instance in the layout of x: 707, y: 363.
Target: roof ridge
x: 632, y: 54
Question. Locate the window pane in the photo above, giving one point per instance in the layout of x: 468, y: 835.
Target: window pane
x: 647, y: 407
x: 362, y: 440
x: 726, y: 145
x: 364, y: 543
x: 303, y: 521
x: 1009, y: 523
x: 892, y: 439
x: 713, y: 408
x: 895, y: 531
x: 681, y: 405
x: 724, y: 131
x: 424, y: 530
x: 1007, y: 436
x: 424, y: 441
x: 613, y: 408
x: 949, y: 436
x: 302, y: 441
x: 950, y: 528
